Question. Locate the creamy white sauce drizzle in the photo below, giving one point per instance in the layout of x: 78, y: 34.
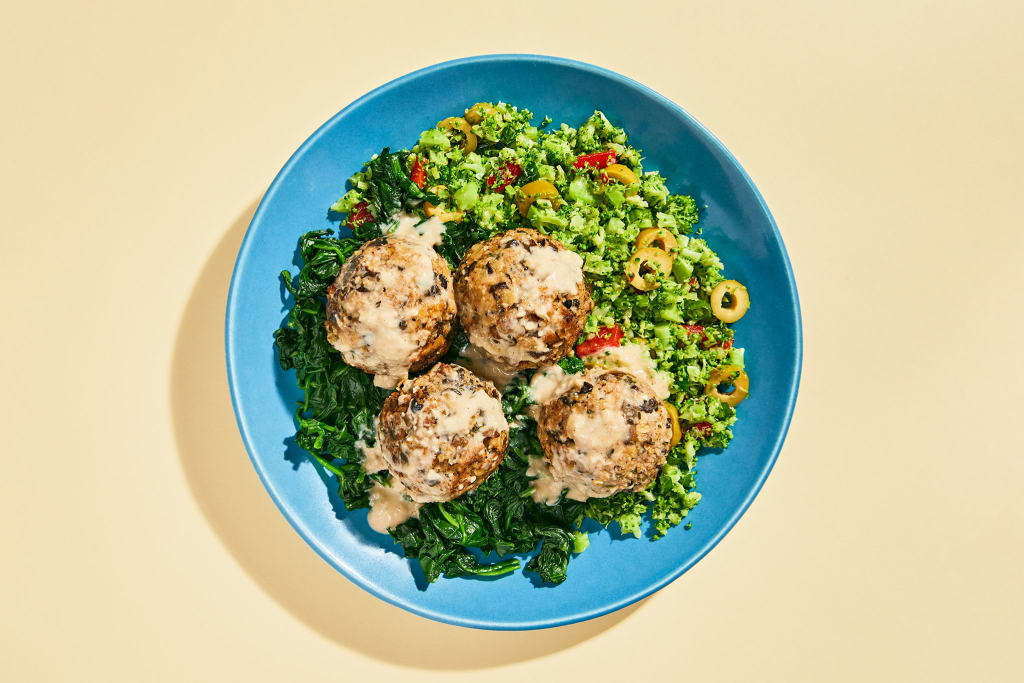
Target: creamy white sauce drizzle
x: 382, y: 342
x: 636, y: 360
x: 389, y: 507
x: 550, y: 382
x: 425, y: 280
x: 373, y: 461
x: 476, y: 361
x: 593, y: 432
x: 558, y: 269
x: 551, y: 272
x: 547, y: 488
x: 419, y: 261
x: 478, y: 411
x: 379, y: 328
x: 427, y: 233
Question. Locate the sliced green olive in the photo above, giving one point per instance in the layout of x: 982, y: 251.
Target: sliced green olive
x: 478, y: 111
x: 461, y: 125
x: 677, y: 433
x: 656, y: 237
x: 530, y: 192
x: 728, y: 374
x: 739, y: 301
x: 647, y: 260
x: 621, y: 173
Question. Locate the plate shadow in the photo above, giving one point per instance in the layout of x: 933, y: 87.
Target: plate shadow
x: 241, y: 513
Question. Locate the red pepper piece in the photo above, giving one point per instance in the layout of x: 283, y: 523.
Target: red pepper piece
x: 359, y: 214
x: 507, y: 174
x: 701, y: 430
x: 596, y: 160
x: 419, y: 172
x: 605, y: 337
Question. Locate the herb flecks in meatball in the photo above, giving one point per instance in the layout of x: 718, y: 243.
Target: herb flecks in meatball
x: 443, y: 433
x: 608, y: 433
x: 522, y: 298
x: 392, y: 308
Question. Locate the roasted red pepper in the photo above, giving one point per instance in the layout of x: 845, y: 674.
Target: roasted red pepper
x: 506, y: 174
x: 419, y: 172
x: 693, y: 329
x: 605, y: 337
x: 359, y: 214
x: 596, y: 160
x: 701, y: 430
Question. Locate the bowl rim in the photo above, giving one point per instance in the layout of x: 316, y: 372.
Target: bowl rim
x: 294, y: 519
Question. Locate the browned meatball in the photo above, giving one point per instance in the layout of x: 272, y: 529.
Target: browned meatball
x: 608, y: 433
x: 442, y: 433
x: 392, y: 308
x: 522, y: 298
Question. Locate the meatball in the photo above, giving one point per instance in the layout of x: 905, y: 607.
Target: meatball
x: 442, y: 433
x: 392, y: 308
x: 608, y: 433
x: 522, y: 299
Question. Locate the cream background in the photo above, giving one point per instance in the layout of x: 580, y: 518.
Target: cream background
x: 135, y: 141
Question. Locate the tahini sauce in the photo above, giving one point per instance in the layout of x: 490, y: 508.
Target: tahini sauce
x: 389, y: 508
x: 373, y: 461
x: 636, y: 360
x: 474, y: 360
x: 428, y: 233
x: 547, y: 488
x: 388, y: 505
x: 479, y: 410
x: 379, y: 328
x: 559, y: 269
x: 380, y: 324
x: 592, y: 432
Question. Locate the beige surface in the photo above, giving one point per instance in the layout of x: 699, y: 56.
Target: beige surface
x: 138, y: 544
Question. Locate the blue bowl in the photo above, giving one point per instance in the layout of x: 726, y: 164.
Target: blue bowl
x: 614, y: 571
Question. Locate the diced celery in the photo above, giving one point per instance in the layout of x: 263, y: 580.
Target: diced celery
x: 615, y: 195
x: 435, y: 138
x: 466, y: 196
x: 579, y: 191
x: 682, y: 270
x: 671, y: 314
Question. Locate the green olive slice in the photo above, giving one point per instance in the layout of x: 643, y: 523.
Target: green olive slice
x: 737, y: 305
x: 647, y: 260
x: 728, y: 374
x: 478, y: 111
x: 656, y: 237
x: 462, y: 125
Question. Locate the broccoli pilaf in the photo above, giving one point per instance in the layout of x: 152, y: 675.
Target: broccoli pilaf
x: 652, y: 283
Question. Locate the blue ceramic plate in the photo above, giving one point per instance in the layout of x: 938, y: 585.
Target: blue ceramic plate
x: 614, y: 571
